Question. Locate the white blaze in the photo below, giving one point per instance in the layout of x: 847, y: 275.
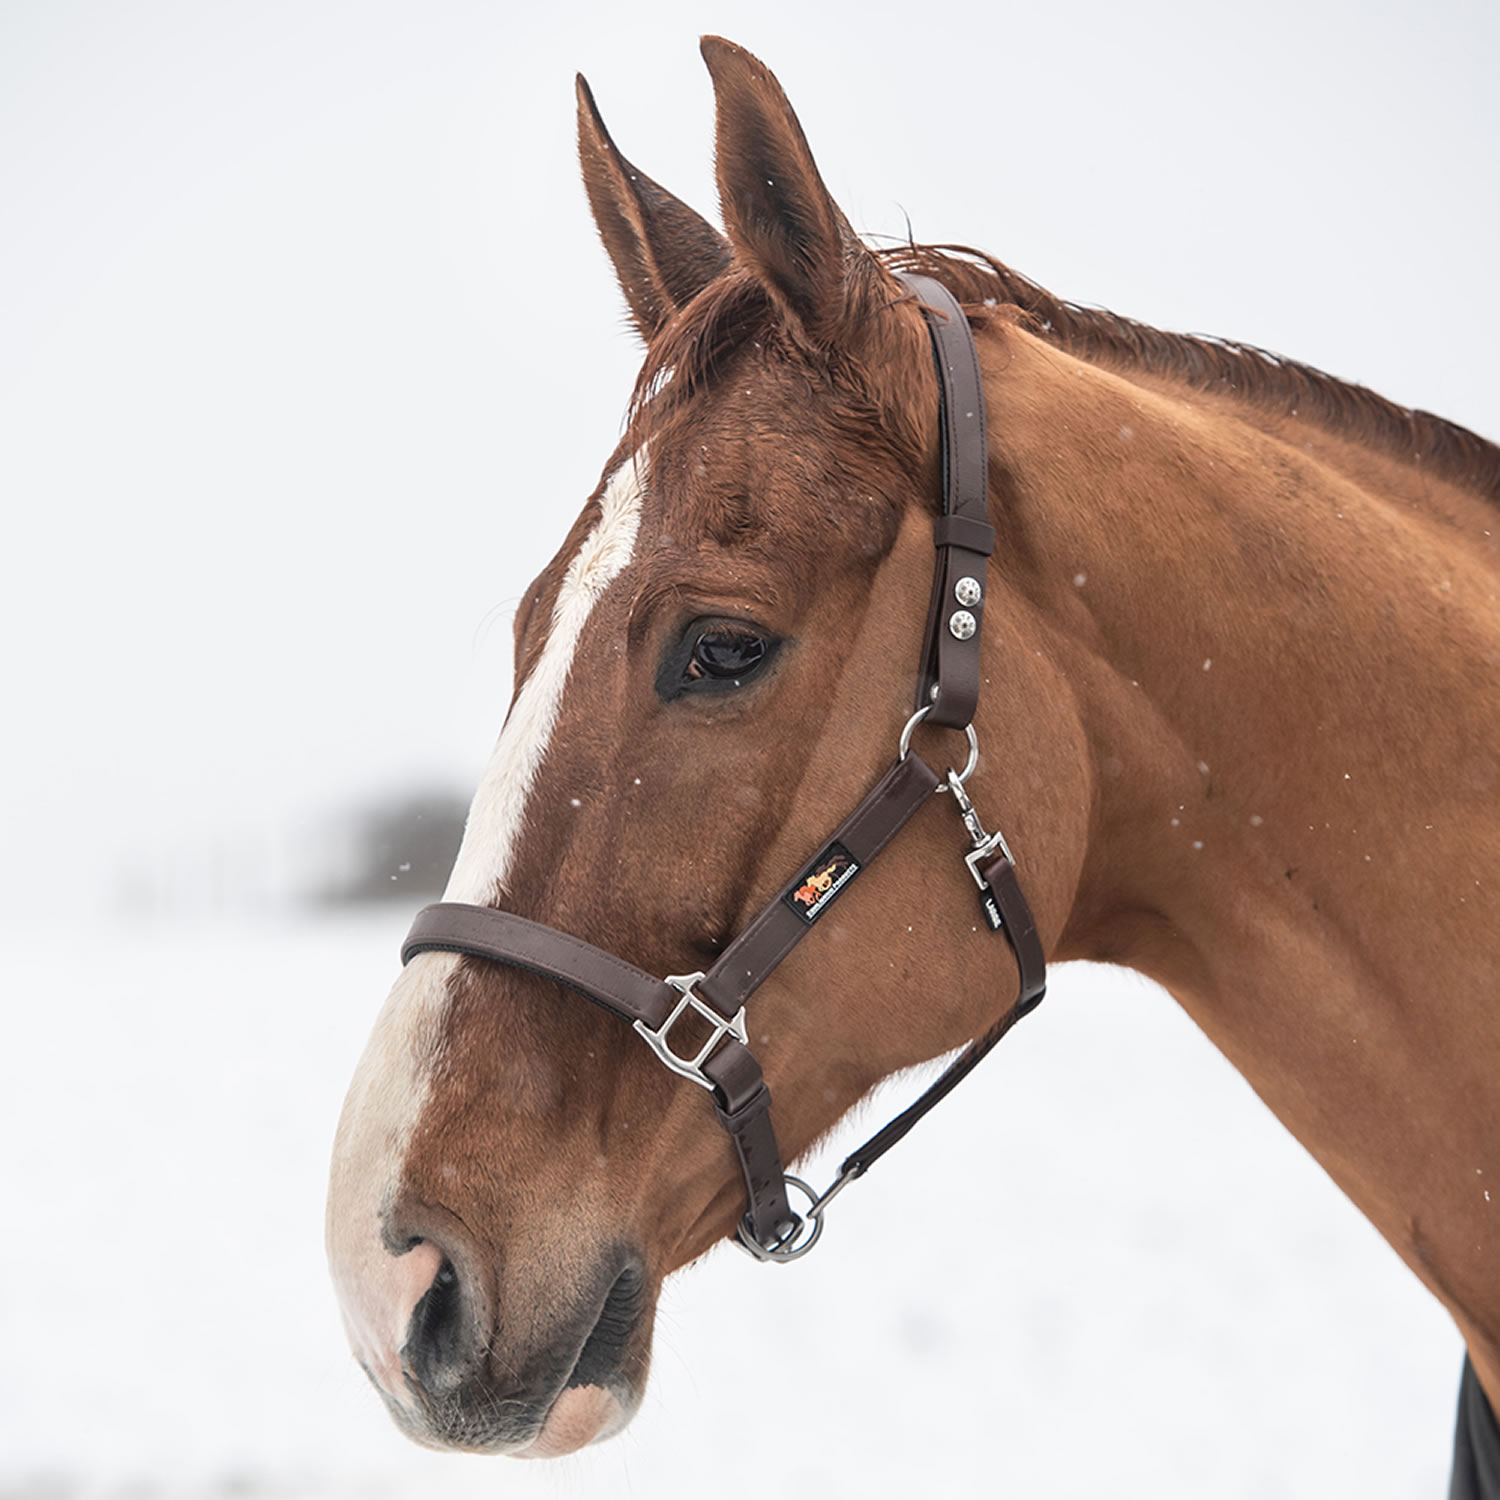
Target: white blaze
x: 376, y: 1290
x: 498, y: 814
x: 389, y: 1093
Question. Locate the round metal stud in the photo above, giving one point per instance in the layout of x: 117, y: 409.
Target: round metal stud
x: 962, y: 625
x: 967, y: 592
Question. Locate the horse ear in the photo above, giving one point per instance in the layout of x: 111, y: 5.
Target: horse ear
x: 664, y: 254
x: 781, y: 219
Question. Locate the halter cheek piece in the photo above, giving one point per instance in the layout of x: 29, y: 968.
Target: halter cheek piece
x: 948, y: 692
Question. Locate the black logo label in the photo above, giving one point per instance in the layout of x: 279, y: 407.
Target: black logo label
x: 816, y: 889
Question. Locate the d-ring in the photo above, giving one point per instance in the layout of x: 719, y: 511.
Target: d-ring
x: 905, y: 745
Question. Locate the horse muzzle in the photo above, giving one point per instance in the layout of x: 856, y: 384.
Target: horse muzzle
x: 543, y: 1375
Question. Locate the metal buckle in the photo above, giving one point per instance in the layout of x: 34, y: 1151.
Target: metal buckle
x: 798, y: 1238
x: 692, y: 1068
x: 985, y: 844
x: 980, y: 856
x: 905, y: 745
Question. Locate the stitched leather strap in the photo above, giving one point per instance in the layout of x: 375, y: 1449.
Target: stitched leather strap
x: 963, y: 535
x: 749, y: 960
x: 483, y: 932
x: 1020, y: 928
x: 964, y: 531
x: 859, y: 1161
x: 767, y: 1214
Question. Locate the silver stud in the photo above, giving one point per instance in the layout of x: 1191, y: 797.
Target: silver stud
x: 962, y: 625
x: 967, y: 592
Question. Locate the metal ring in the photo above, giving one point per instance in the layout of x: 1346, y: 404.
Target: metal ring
x: 906, y: 733
x: 905, y: 745
x: 798, y: 1240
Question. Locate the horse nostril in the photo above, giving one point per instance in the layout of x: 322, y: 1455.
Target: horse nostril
x: 437, y: 1346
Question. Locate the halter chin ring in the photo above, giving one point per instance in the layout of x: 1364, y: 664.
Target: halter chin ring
x: 692, y: 1068
x: 802, y: 1235
x: 904, y: 748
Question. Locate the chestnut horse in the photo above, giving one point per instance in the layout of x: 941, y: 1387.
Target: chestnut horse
x: 1239, y: 719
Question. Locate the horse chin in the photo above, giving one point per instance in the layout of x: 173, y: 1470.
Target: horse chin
x: 581, y: 1415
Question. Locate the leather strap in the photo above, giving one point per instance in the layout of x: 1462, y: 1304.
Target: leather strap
x: 768, y: 1214
x: 859, y: 1161
x: 749, y: 960
x: 964, y: 531
x: 484, y: 932
x: 1020, y: 928
x: 948, y: 684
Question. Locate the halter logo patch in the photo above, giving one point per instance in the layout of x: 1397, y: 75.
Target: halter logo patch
x: 821, y: 882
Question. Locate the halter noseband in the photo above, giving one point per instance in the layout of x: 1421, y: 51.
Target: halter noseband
x: 947, y: 695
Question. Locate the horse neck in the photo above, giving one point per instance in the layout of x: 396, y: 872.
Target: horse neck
x: 1285, y: 657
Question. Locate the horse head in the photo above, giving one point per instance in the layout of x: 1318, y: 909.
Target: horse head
x: 515, y: 1173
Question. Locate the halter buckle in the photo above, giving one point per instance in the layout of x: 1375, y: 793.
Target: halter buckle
x: 684, y: 1067
x: 981, y: 855
x: 984, y: 843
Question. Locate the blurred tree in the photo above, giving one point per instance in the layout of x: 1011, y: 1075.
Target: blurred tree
x: 402, y: 849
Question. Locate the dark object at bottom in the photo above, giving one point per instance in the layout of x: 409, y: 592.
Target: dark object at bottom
x: 1476, y: 1444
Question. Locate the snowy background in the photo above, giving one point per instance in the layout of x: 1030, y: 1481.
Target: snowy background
x: 280, y: 444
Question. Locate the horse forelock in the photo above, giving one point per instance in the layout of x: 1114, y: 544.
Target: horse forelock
x: 697, y: 350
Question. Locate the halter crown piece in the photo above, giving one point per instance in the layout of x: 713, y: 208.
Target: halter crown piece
x: 947, y: 695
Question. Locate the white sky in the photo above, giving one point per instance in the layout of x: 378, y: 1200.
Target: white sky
x: 308, y: 354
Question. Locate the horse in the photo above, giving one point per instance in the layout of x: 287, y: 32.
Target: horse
x: 1236, y: 710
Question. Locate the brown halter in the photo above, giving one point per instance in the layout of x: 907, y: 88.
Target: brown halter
x: 947, y: 694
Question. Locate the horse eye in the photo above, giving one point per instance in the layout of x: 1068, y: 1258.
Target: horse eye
x: 715, y: 656
x: 725, y: 654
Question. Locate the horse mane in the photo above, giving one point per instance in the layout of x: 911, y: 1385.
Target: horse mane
x: 735, y: 309
x: 1438, y: 446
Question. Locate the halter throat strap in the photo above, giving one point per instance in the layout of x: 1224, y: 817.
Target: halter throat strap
x: 947, y: 694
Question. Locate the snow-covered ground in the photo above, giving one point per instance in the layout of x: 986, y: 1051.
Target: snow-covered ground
x: 1114, y: 1273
